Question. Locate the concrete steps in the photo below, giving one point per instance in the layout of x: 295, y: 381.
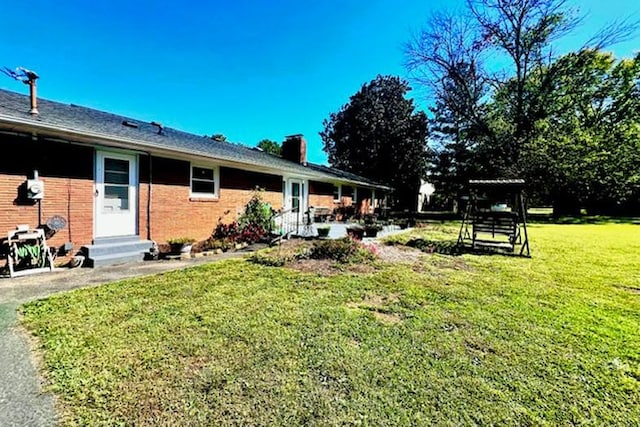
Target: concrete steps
x: 115, y: 250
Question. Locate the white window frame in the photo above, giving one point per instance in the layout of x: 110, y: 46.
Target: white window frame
x: 216, y: 181
x: 339, y: 199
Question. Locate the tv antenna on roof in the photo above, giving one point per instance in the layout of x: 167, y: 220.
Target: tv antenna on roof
x: 21, y: 74
x: 27, y: 77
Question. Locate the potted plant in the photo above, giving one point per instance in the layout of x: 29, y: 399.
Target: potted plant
x: 403, y: 223
x: 181, y: 245
x: 371, y: 230
x: 323, y: 230
x: 355, y: 231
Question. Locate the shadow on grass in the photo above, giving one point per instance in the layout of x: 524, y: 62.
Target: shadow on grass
x: 444, y: 247
x: 582, y: 219
x: 451, y: 247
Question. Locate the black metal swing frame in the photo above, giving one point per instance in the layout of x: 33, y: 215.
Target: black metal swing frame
x: 495, y: 227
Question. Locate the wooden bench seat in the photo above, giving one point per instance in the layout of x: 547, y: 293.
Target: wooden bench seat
x: 496, y: 224
x: 322, y: 214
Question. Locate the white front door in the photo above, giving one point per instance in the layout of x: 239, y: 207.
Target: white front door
x: 296, y: 196
x: 116, y: 194
x: 295, y: 199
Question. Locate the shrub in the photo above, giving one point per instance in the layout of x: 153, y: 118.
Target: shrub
x: 250, y: 233
x: 257, y: 214
x: 226, y: 232
x: 212, y: 244
x: 343, y: 250
x: 253, y: 224
x: 270, y: 259
x: 181, y: 241
x: 279, y: 256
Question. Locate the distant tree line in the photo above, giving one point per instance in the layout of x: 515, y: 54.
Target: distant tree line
x: 503, y: 105
x: 569, y: 125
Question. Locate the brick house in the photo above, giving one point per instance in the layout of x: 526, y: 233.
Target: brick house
x: 120, y: 182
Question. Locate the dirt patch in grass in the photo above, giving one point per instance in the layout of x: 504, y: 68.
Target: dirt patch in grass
x: 325, y: 267
x: 380, y: 301
x: 631, y: 289
x: 322, y: 267
x: 453, y: 263
x: 390, y: 318
x: 378, y: 305
x: 404, y: 254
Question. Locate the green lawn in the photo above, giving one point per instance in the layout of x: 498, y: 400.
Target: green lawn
x: 553, y: 340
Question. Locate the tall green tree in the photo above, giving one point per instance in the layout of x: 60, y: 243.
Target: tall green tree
x: 587, y: 152
x: 271, y: 147
x: 379, y: 135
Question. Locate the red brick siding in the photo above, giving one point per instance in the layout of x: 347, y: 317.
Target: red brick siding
x: 174, y: 213
x: 364, y: 200
x: 68, y: 173
x: 321, y: 194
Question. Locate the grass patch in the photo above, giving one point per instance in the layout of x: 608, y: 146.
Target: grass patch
x: 549, y: 340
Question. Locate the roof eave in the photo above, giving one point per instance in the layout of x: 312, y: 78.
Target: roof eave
x: 25, y: 125
x: 95, y: 138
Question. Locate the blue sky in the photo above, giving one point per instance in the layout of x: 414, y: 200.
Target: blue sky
x: 247, y: 69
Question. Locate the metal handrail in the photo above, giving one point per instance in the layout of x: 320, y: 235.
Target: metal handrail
x: 291, y: 222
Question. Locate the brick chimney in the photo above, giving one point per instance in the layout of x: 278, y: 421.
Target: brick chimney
x: 294, y: 149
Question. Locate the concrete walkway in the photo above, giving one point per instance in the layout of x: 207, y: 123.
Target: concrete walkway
x: 339, y: 229
x: 22, y: 403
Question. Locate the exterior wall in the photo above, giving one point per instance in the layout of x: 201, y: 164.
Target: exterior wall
x: 175, y: 214
x: 165, y: 208
x: 364, y: 201
x: 363, y: 206
x: 321, y: 195
x: 67, y: 173
x: 346, y: 198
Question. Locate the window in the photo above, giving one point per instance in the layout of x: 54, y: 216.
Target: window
x: 336, y: 193
x: 116, y: 185
x: 204, y: 181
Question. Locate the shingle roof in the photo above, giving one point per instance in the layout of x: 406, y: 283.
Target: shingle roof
x: 343, y: 174
x: 145, y: 135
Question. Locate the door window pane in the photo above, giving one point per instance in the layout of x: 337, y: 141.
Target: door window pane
x: 116, y: 185
x: 116, y: 171
x: 116, y: 165
x: 116, y: 178
x: 116, y: 198
x: 295, y: 196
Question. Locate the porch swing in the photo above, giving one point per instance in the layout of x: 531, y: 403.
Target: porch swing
x: 495, y: 217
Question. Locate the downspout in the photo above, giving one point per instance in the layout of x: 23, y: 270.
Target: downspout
x: 149, y: 196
